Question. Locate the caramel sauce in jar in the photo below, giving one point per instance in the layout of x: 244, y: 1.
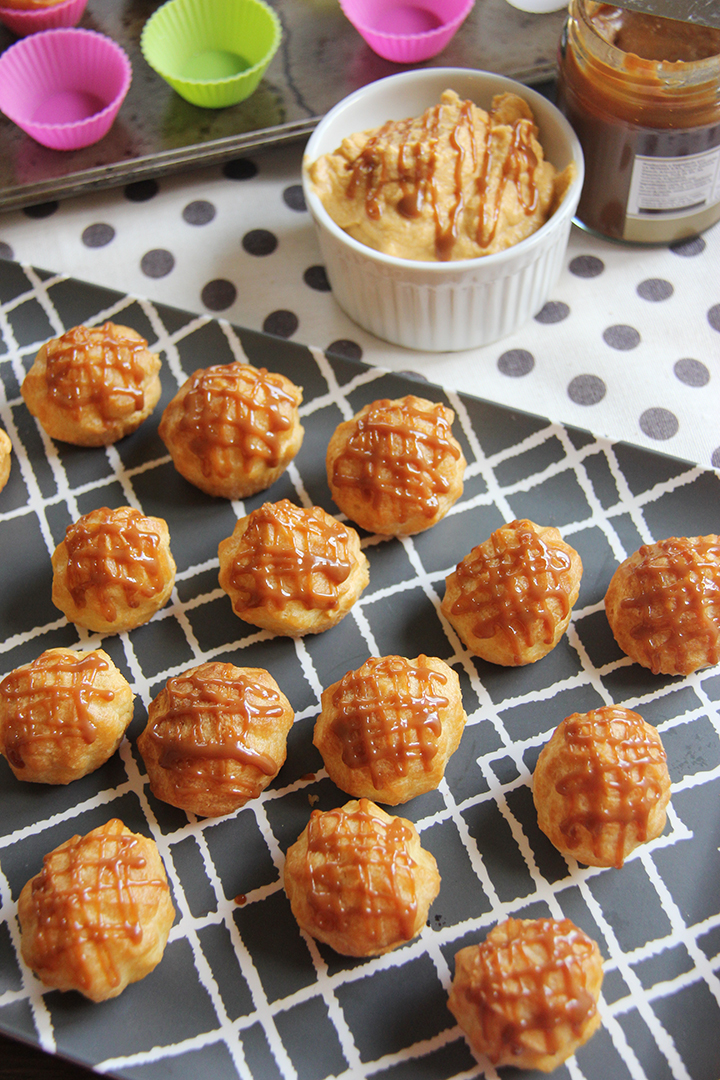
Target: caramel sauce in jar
x: 643, y: 95
x: 399, y: 727
x: 52, y: 699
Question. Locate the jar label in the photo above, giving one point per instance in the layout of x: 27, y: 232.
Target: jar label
x: 674, y: 186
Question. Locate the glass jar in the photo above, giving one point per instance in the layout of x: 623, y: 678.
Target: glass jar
x: 643, y: 95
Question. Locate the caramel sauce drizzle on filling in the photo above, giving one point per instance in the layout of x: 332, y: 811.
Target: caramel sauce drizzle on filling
x: 397, y: 726
x: 676, y: 600
x: 115, y: 551
x: 87, y: 899
x: 417, y: 167
x: 235, y: 409
x: 51, y: 701
x: 536, y: 998
x: 358, y: 868
x: 510, y: 589
x: 92, y: 367
x: 520, y: 163
x: 291, y: 555
x: 210, y: 712
x: 391, y: 454
x: 614, y: 780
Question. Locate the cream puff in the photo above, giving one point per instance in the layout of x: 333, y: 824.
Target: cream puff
x: 93, y: 385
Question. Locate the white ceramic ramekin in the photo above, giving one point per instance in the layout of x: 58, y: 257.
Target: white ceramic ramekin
x: 442, y: 306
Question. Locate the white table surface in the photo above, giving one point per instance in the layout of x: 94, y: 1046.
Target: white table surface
x: 628, y: 346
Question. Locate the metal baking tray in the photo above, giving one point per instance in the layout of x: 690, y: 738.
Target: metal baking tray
x: 240, y: 993
x: 321, y: 59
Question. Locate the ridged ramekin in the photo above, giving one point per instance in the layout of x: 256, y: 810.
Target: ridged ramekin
x: 442, y: 306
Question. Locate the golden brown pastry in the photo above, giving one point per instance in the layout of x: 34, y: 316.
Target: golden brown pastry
x: 5, y: 458
x: 359, y: 880
x: 113, y: 570
x: 601, y: 785
x: 396, y: 468
x: 292, y: 570
x: 527, y: 995
x: 216, y: 736
x: 93, y: 385
x: 233, y: 429
x: 98, y: 915
x: 510, y: 600
x: 63, y: 715
x: 663, y: 605
x: 386, y: 731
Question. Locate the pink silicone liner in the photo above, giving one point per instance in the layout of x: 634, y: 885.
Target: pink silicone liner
x: 410, y: 31
x: 23, y: 23
x: 64, y: 87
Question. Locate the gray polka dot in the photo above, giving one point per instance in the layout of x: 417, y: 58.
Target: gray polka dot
x: 42, y: 210
x: 659, y: 424
x: 97, y: 236
x: 586, y: 266
x: 6, y: 252
x: 621, y: 337
x: 715, y: 459
x: 692, y: 372
x: 515, y: 363
x: 259, y: 242
x: 316, y: 278
x: 655, y: 289
x: 218, y: 295
x: 157, y: 263
x: 142, y: 190
x: 713, y: 316
x: 241, y: 169
x: 586, y: 390
x: 281, y: 323
x: 552, y: 312
x: 294, y: 198
x: 349, y: 349
x: 687, y: 248
x: 200, y: 212
x: 416, y: 376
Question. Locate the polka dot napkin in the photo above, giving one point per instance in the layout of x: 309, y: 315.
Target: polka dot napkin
x: 628, y: 346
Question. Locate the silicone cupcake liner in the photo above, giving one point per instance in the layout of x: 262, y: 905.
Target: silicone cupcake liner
x: 213, y: 55
x: 64, y: 87
x: 410, y: 31
x: 22, y: 23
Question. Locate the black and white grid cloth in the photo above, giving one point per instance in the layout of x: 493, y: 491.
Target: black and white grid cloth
x: 241, y: 992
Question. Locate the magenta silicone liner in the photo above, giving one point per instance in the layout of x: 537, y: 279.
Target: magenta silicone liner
x: 64, y: 87
x: 408, y: 32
